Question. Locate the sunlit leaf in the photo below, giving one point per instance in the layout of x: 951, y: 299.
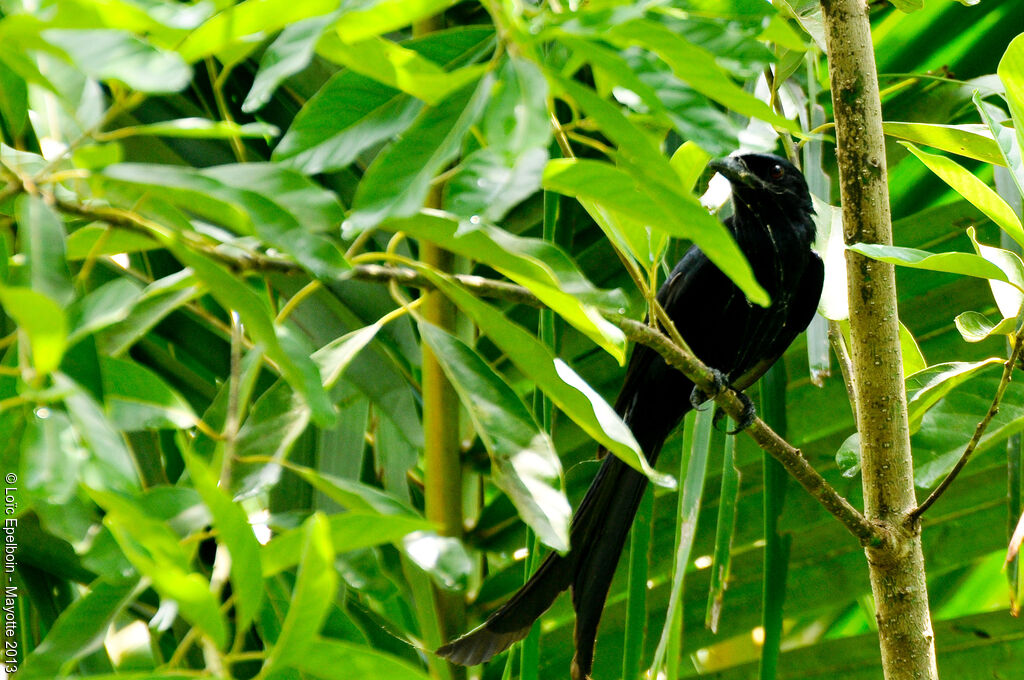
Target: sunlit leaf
x: 155, y: 551
x: 539, y: 266
x: 330, y: 659
x: 399, y: 67
x: 351, y: 530
x: 43, y: 322
x: 235, y: 534
x: 678, y: 215
x: 974, y: 190
x: 972, y: 141
x: 525, y: 463
x: 953, y: 263
x: 117, y: 55
x: 252, y: 18
x: 925, y: 388
x: 564, y: 386
x: 975, y: 327
x: 316, y: 584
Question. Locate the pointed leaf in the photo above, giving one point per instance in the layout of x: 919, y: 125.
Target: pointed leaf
x: 397, y: 182
x: 525, y: 464
x: 567, y: 390
x: 972, y: 141
x: 316, y: 585
x: 543, y: 268
x: 974, y: 190
x: 235, y: 533
x: 673, y: 212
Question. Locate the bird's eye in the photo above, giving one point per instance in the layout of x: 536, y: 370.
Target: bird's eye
x: 777, y: 172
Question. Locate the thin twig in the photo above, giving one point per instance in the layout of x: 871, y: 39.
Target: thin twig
x: 842, y: 352
x: 1004, y: 381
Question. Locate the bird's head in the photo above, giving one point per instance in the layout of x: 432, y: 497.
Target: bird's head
x: 764, y: 178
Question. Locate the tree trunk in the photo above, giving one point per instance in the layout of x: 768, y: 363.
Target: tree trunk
x: 896, y: 563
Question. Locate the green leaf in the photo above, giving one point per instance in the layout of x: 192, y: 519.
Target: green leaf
x: 282, y: 206
x: 444, y: 558
x: 352, y: 113
x: 316, y: 585
x: 198, y: 128
x: 97, y: 156
x: 399, y: 67
x: 43, y: 322
x: 555, y: 378
x: 353, y: 530
x: 234, y: 533
x: 159, y: 299
x: 290, y: 52
x: 43, y: 243
x: 489, y: 183
x: 139, y: 399
x: 81, y: 628
x: 913, y: 360
x: 278, y: 417
x: 349, y: 114
x: 111, y: 463
x: 1008, y: 297
x: 331, y: 659
x: 975, y: 327
x: 952, y: 263
x: 232, y: 294
x: 117, y: 55
x: 525, y: 464
x: 543, y: 268
x: 354, y: 495
x: 377, y: 17
x: 972, y: 141
x: 974, y: 190
x: 1006, y: 138
x: 724, y: 532
x: 51, y: 456
x: 634, y: 146
x: 1011, y: 72
x: 155, y: 551
x: 516, y: 119
x: 252, y: 18
x: 675, y: 213
x: 695, y: 66
x: 925, y: 388
x: 948, y: 426
x: 397, y: 182
x: 100, y: 308
x: 694, y: 465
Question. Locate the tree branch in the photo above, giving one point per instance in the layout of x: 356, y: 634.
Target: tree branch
x: 790, y: 457
x: 993, y: 409
x: 777, y: 447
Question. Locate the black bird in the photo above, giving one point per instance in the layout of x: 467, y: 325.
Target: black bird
x: 773, y: 226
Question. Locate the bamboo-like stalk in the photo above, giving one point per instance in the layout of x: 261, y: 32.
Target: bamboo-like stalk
x: 896, y: 564
x: 442, y: 478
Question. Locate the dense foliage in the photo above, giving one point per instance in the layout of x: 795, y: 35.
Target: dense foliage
x: 210, y: 389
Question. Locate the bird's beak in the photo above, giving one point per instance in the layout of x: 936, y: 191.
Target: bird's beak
x: 734, y: 170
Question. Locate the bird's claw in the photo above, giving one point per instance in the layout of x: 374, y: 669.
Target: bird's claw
x: 746, y: 416
x: 699, y: 396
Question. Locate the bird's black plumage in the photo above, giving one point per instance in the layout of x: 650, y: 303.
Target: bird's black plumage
x: 772, y: 224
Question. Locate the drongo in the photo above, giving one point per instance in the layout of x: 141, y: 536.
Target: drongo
x: 772, y: 224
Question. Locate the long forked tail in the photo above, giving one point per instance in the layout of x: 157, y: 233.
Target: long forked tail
x: 513, y: 620
x: 599, y: 530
